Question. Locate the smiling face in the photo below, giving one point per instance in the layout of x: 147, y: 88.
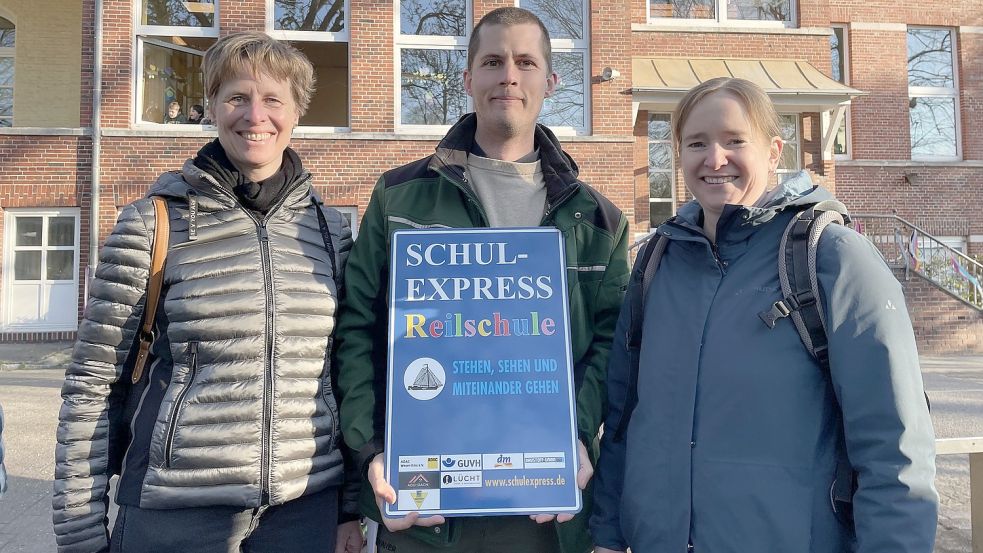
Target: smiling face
x: 255, y: 116
x: 508, y: 81
x: 725, y: 160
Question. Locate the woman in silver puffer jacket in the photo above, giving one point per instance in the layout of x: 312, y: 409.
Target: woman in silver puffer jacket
x: 229, y: 440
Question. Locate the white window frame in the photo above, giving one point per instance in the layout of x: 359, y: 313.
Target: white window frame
x: 581, y: 46
x: 845, y: 56
x: 721, y: 20
x: 797, y: 143
x: 939, y: 92
x: 147, y: 33
x: 672, y: 172
x: 10, y: 52
x: 10, y: 247
x: 425, y: 42
x: 352, y: 212
x: 317, y: 36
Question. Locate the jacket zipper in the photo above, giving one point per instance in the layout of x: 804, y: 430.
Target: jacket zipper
x: 179, y: 403
x: 268, y: 380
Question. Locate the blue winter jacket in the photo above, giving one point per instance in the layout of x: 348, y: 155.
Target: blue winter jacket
x: 733, y: 444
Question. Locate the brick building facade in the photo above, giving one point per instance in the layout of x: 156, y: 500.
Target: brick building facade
x: 388, y: 76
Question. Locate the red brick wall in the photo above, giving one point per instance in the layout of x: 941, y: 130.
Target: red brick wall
x: 46, y: 171
x: 943, y: 324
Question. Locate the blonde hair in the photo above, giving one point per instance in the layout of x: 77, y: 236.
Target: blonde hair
x: 256, y: 53
x: 760, y: 110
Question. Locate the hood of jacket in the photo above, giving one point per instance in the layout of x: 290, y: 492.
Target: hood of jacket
x: 737, y: 222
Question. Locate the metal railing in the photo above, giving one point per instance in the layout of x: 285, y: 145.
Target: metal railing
x: 906, y: 246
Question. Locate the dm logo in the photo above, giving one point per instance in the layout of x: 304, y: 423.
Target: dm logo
x: 503, y: 461
x: 424, y: 378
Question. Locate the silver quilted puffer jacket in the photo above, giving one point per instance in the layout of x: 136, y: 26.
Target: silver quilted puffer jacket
x: 238, y: 407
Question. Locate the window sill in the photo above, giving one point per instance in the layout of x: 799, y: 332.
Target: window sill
x: 46, y: 131
x: 969, y: 163
x: 691, y: 26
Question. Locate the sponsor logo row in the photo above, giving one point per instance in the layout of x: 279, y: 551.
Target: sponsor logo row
x: 482, y: 461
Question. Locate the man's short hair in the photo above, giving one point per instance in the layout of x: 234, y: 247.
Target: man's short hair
x: 255, y: 53
x: 508, y: 17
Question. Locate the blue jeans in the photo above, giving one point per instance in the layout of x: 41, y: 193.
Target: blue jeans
x: 305, y: 525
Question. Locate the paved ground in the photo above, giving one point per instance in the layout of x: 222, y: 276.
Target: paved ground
x: 30, y: 399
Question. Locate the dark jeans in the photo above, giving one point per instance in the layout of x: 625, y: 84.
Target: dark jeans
x: 305, y: 525
x: 508, y: 534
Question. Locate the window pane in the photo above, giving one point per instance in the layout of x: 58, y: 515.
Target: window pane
x: 839, y: 143
x: 29, y: 231
x: 61, y: 231
x: 659, y: 127
x: 432, y: 86
x: 790, y: 157
x: 6, y: 102
x: 933, y: 127
x: 179, y: 13
x: 27, y: 265
x: 660, y: 157
x: 660, y: 185
x: 685, y: 9
x: 760, y: 10
x: 836, y: 54
x: 171, y: 74
x: 563, y: 18
x: 61, y: 265
x: 6, y: 71
x: 930, y: 58
x: 789, y: 127
x: 659, y: 212
x: 329, y: 106
x: 6, y: 33
x: 565, y: 108
x: 432, y: 17
x: 309, y: 15
x: 6, y: 122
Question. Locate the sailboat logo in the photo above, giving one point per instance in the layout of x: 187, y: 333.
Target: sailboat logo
x: 424, y: 378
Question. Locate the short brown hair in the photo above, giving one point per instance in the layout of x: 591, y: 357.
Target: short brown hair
x: 758, y: 106
x: 510, y: 16
x: 255, y: 53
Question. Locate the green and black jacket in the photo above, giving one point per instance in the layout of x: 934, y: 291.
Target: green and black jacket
x: 434, y: 192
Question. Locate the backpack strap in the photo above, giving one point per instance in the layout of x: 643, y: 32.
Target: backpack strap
x: 642, y: 275
x: 158, y: 258
x: 802, y: 302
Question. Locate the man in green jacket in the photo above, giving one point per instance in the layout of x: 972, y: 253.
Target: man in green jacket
x: 494, y: 168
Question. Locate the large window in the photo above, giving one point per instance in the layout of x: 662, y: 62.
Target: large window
x: 319, y: 28
x: 41, y: 261
x: 567, y: 110
x: 791, y: 161
x: 723, y: 11
x: 6, y: 73
x: 932, y: 94
x: 431, y: 56
x: 839, y: 59
x: 662, y: 175
x: 172, y: 36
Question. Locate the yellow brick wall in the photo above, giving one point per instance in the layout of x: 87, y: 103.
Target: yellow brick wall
x: 47, y: 66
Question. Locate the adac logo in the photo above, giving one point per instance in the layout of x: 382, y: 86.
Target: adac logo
x: 419, y: 497
x: 448, y: 462
x: 503, y: 461
x: 432, y: 463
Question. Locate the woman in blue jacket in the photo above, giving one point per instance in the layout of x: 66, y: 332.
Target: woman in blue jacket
x: 735, y: 440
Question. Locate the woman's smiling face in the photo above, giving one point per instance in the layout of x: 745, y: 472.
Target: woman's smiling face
x: 725, y: 160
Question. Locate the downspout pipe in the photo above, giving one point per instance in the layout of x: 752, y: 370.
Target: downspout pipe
x: 95, y: 183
